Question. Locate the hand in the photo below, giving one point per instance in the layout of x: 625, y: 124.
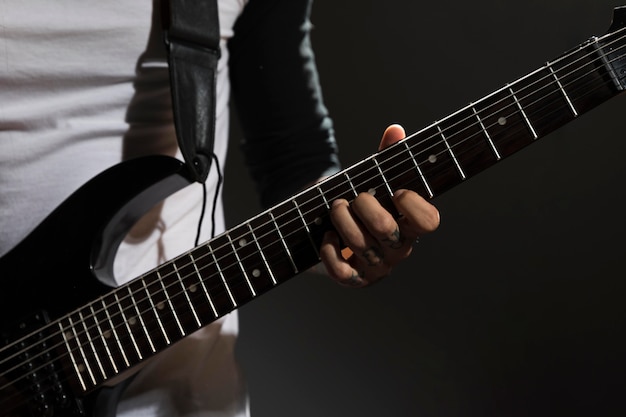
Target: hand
x: 376, y: 241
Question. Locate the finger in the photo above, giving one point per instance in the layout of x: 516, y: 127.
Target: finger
x: 417, y: 213
x: 391, y: 135
x: 354, y: 234
x: 337, y: 267
x: 381, y: 225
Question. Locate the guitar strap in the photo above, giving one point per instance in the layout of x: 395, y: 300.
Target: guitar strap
x: 192, y: 38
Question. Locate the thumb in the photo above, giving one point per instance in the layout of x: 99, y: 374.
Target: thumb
x: 392, y: 134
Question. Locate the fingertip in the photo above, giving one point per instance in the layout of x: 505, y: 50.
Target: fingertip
x: 392, y: 134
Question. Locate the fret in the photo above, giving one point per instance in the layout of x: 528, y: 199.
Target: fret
x: 81, y: 364
x: 142, y: 334
x: 115, y: 334
x: 584, y: 77
x: 237, y: 279
x: 196, y: 310
x: 91, y: 344
x: 323, y: 197
x: 94, y: 336
x: 243, y: 270
x: 335, y: 187
x: 282, y: 241
x: 503, y: 122
x: 565, y: 96
x: 382, y: 176
x: 613, y: 47
x: 544, y: 101
x: 607, y: 64
x: 157, y: 284
x: 306, y: 227
x: 203, y: 285
x: 345, y: 173
x: 369, y: 177
x: 130, y: 320
x: 523, y: 113
x: 469, y: 141
x: 85, y: 361
x: 140, y: 317
x: 78, y: 368
x: 452, y: 155
x: 103, y: 338
x: 267, y: 266
x: 155, y: 310
x: 315, y: 215
x: 168, y: 300
x: 274, y: 248
x: 486, y: 133
x: 435, y: 162
x: 141, y: 301
x: 179, y: 283
x: 417, y: 168
x: 185, y: 291
x: 127, y: 324
x: 213, y: 280
x: 252, y: 271
x: 294, y: 233
x: 223, y: 278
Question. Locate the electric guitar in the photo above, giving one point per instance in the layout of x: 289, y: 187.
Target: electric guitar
x: 63, y: 339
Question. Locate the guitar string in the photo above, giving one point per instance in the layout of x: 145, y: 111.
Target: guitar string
x: 414, y: 146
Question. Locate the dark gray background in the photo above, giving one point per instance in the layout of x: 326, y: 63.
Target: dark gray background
x: 515, y: 306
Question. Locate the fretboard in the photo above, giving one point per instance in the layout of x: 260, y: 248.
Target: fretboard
x: 142, y: 318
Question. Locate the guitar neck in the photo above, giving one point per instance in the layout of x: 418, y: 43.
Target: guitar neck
x: 149, y: 314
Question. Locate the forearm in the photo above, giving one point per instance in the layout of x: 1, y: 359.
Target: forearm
x: 288, y: 136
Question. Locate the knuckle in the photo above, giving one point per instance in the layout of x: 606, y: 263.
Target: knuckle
x: 383, y: 225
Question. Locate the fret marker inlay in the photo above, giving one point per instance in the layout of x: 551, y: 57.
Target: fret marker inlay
x: 241, y: 267
x: 269, y: 270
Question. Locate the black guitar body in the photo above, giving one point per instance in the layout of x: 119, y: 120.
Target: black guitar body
x: 61, y: 266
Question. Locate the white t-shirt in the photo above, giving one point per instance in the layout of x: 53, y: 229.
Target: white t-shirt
x: 83, y: 86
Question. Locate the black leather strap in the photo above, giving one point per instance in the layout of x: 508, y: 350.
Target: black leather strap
x: 192, y: 37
